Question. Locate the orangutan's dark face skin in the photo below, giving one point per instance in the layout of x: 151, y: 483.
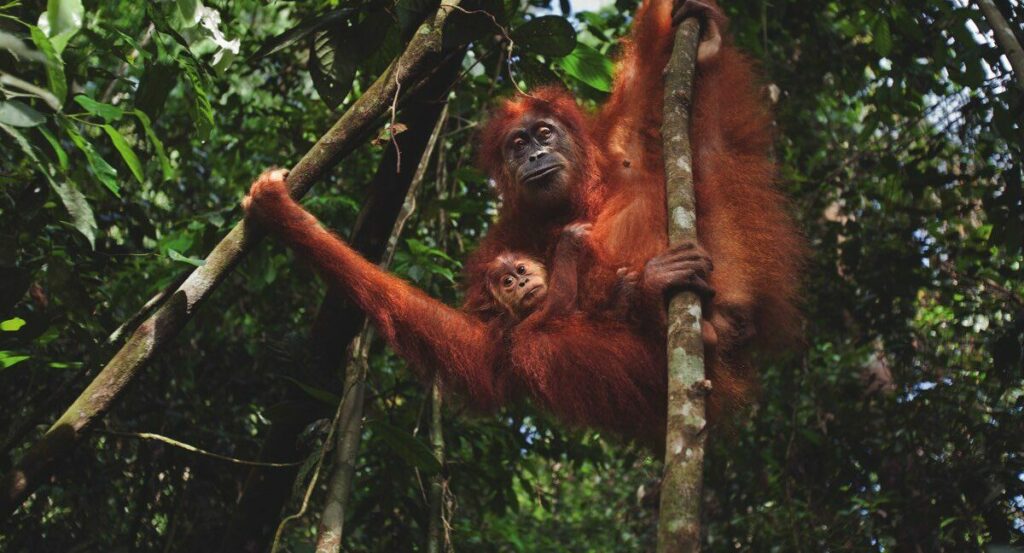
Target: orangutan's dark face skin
x: 518, y: 283
x: 540, y: 156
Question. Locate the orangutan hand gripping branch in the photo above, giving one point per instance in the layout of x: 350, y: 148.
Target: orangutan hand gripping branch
x: 554, y: 164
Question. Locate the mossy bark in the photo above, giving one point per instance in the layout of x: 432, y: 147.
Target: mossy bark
x: 681, y: 488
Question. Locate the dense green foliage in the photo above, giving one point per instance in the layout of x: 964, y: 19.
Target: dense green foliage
x: 131, y: 130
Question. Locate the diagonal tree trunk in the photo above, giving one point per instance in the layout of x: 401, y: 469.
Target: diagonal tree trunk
x: 1005, y: 38
x: 420, y: 57
x: 681, y: 488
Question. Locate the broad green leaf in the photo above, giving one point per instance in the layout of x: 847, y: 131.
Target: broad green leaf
x: 550, y: 35
x: 18, y: 114
x: 106, y: 111
x: 98, y: 166
x: 589, y: 66
x: 63, y: 19
x: 147, y: 127
x: 60, y: 41
x: 78, y: 207
x: 130, y: 159
x: 463, y: 26
x: 173, y: 254
x: 332, y: 67
x: 12, y: 325
x: 64, y: 15
x: 62, y: 156
x: 8, y: 359
x: 408, y: 447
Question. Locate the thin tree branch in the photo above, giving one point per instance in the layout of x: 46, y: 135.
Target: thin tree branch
x: 436, y: 528
x: 332, y: 520
x: 420, y: 56
x: 679, y: 519
x: 194, y: 449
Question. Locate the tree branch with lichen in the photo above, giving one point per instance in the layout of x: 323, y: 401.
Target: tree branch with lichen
x: 681, y: 488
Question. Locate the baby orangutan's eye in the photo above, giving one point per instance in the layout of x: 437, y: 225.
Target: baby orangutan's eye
x: 521, y: 269
x: 507, y: 281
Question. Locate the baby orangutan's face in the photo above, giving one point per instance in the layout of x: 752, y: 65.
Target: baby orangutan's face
x: 518, y: 283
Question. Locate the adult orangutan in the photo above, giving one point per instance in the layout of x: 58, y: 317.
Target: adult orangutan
x: 555, y: 165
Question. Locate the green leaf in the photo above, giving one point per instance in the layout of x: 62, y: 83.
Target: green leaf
x: 8, y: 359
x: 302, y: 30
x: 54, y: 65
x: 130, y: 159
x: 65, y: 364
x: 464, y: 26
x: 154, y: 87
x: 62, y: 156
x: 74, y: 201
x: 12, y: 325
x: 18, y: 114
x: 550, y: 35
x: 63, y: 19
x: 881, y: 37
x: 147, y: 127
x: 188, y: 9
x: 202, y: 111
x: 407, y: 446
x: 332, y: 67
x: 536, y: 73
x: 589, y: 66
x: 98, y: 166
x: 64, y: 15
x: 106, y: 111
x: 173, y: 254
x: 420, y: 249
x: 78, y: 207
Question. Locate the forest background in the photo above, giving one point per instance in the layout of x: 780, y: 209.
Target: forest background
x: 131, y: 131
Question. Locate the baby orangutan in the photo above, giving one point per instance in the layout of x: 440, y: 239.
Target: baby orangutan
x: 520, y: 284
x: 545, y: 326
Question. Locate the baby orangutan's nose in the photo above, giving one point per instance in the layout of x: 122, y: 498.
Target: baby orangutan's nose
x: 523, y: 282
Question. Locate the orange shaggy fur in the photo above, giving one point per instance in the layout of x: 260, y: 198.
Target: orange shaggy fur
x: 591, y: 370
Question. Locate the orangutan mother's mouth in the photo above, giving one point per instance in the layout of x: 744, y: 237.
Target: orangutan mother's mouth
x: 543, y: 172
